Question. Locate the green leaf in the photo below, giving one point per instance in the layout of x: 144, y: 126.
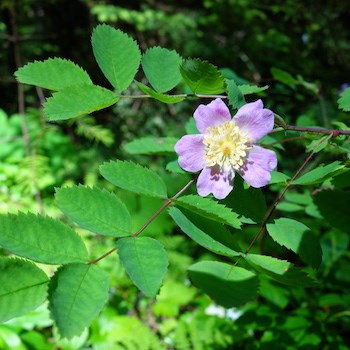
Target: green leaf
x: 334, y: 207
x: 41, y: 239
x: 151, y: 145
x: 96, y: 210
x: 201, y: 235
x: 77, y: 293
x: 228, y: 285
x: 247, y: 89
x: 318, y: 144
x: 117, y: 54
x: 145, y: 261
x: 160, y: 97
x: 234, y: 94
x: 277, y: 177
x: 23, y: 287
x: 134, y: 178
x: 209, y: 209
x: 202, y: 77
x: 78, y: 100
x: 283, y: 76
x: 344, y: 101
x: 296, y: 236
x: 319, y: 174
x: 280, y: 270
x: 161, y: 67
x: 53, y: 74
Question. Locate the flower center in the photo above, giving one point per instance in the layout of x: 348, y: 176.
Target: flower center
x: 226, y: 146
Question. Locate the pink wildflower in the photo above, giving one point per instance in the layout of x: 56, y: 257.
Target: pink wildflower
x: 226, y: 145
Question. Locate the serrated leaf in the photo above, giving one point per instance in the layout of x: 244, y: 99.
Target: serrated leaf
x: 151, y: 145
x: 296, y: 236
x: 202, y: 237
x: 78, y: 100
x: 235, y: 96
x: 158, y: 96
x: 161, y: 67
x: 319, y: 174
x: 228, y: 285
x: 117, y: 54
x: 96, y: 210
x: 174, y: 167
x: 280, y: 270
x: 77, y: 293
x: 209, y: 209
x: 53, y: 74
x: 41, y: 238
x: 319, y: 144
x: 145, y: 261
x: 23, y: 287
x: 283, y: 76
x: 344, y: 100
x: 134, y: 178
x: 202, y: 77
x: 247, y: 89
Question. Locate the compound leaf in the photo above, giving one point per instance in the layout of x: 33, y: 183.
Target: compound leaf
x: 145, y: 261
x: 117, y: 54
x: 151, y: 145
x: 53, y: 73
x: 134, y: 178
x: 96, y: 210
x: 77, y: 293
x: 41, y: 239
x: 158, y: 96
x: 23, y: 287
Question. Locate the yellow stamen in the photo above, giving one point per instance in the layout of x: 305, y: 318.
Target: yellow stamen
x: 227, y: 146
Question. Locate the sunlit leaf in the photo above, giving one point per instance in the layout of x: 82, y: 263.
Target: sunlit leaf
x: 235, y: 96
x: 344, y: 100
x: 296, y: 236
x: 202, y: 77
x: 151, y: 145
x: 77, y: 294
x: 145, y: 261
x: 158, y: 96
x: 117, y: 54
x: 53, y: 74
x: 41, y: 239
x: 228, y: 285
x: 78, y: 100
x: 247, y: 89
x: 96, y: 210
x: 135, y: 178
x: 23, y: 287
x: 161, y: 67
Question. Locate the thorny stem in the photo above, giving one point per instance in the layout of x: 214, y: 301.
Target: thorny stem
x: 278, y: 199
x: 166, y: 203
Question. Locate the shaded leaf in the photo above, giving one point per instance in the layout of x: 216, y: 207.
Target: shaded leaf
x: 53, y: 73
x: 247, y: 89
x: 201, y: 236
x: 161, y: 67
x: 151, y: 145
x: 296, y: 236
x: 41, y: 239
x: 78, y: 100
x: 96, y: 210
x: 158, y: 96
x: 77, y: 294
x: 280, y: 270
x: 210, y: 209
x: 23, y: 287
x: 228, y: 285
x: 283, y: 76
x: 202, y: 77
x: 145, y: 261
x: 117, y: 54
x: 134, y: 178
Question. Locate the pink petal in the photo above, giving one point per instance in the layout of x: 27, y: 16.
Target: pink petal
x: 214, y: 113
x: 255, y: 120
x: 211, y: 180
x: 257, y: 168
x: 190, y: 149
